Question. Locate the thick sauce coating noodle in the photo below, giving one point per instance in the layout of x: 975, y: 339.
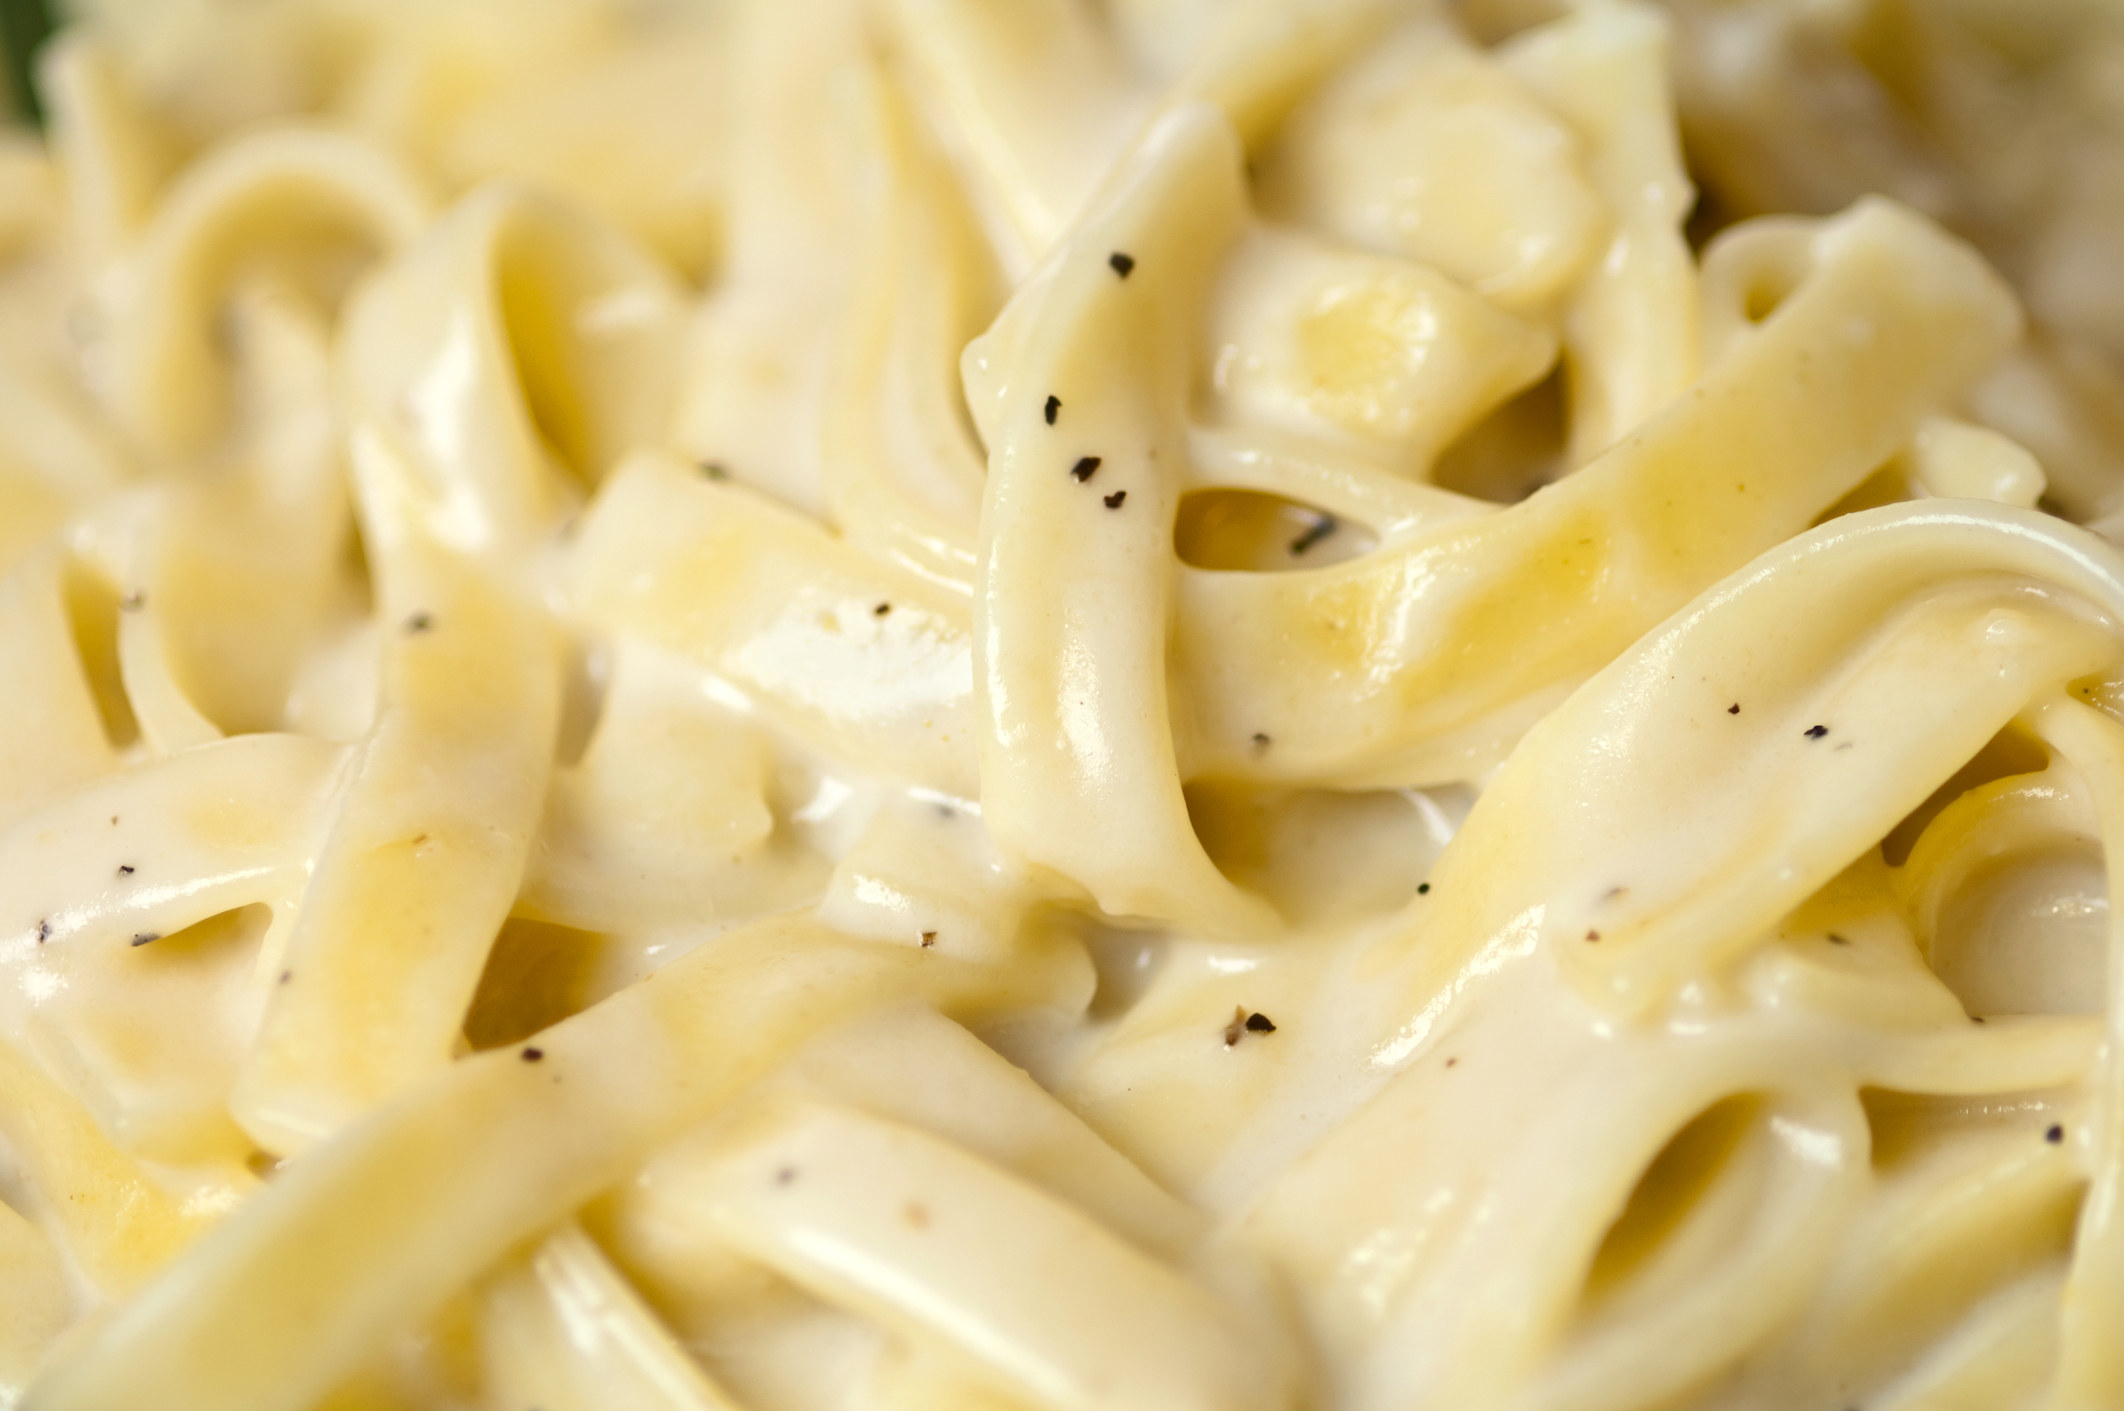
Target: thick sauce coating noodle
x: 1033, y: 705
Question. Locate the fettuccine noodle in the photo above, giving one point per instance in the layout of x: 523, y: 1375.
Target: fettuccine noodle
x: 1023, y: 705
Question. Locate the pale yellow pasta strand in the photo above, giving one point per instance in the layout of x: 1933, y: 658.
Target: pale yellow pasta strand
x: 1921, y: 688
x: 57, y: 456
x: 1424, y: 1287
x: 1424, y: 662
x: 141, y: 1015
x: 1833, y: 757
x: 35, y: 1304
x: 1928, y: 1246
x: 503, y: 365
x: 912, y: 1066
x: 163, y: 709
x: 937, y: 1244
x: 1040, y: 102
x: 562, y: 1330
x: 1256, y: 458
x: 372, y: 1231
x: 1631, y: 323
x: 424, y: 857
x: 1425, y: 146
x: 1999, y: 1362
x: 113, y: 156
x: 863, y: 659
x: 1354, y: 348
x: 2090, y: 1371
x: 51, y: 737
x: 167, y: 381
x: 205, y: 831
x: 752, y: 385
x: 665, y: 820
x: 2045, y: 808
x: 636, y: 135
x: 1073, y: 619
x: 117, y: 1222
x: 1267, y: 55
x: 514, y: 341
x: 902, y: 471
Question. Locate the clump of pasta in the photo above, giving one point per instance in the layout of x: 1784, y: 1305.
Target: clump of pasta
x: 1157, y: 706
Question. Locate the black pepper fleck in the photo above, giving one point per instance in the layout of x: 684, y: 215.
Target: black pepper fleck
x: 1319, y: 529
x: 1733, y: 709
x: 881, y: 609
x: 1592, y: 935
x: 1815, y: 732
x: 1054, y: 405
x: 1122, y: 264
x: 44, y: 931
x: 1113, y: 501
x: 929, y: 938
x: 125, y: 869
x: 1260, y: 1023
x: 1423, y: 889
x: 2054, y: 1134
x: 531, y: 1054
x: 1836, y: 940
x: 1261, y: 740
x: 1082, y: 470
